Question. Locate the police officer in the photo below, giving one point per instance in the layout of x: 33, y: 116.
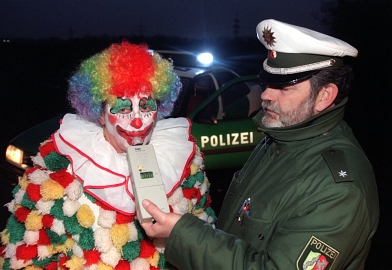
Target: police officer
x: 307, y: 196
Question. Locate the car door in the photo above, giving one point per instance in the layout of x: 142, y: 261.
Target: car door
x: 222, y: 124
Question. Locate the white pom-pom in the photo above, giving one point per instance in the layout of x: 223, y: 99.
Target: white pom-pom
x: 43, y: 252
x: 58, y: 227
x: 10, y: 206
x: 44, y: 207
x: 38, y: 160
x: 70, y: 207
x: 19, y: 196
x: 103, y: 240
x: 198, y: 160
x: 77, y: 250
x: 91, y: 267
x: 176, y: 196
x: 140, y: 264
x: 203, y: 216
x: 38, y: 177
x: 76, y: 237
x: 10, y: 250
x: 181, y: 207
x: 18, y: 264
x: 132, y: 231
x: 31, y: 237
x: 112, y: 257
x: 74, y: 190
x: 203, y: 188
x: 106, y: 218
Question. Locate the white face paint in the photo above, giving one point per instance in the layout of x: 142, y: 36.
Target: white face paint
x: 129, y: 122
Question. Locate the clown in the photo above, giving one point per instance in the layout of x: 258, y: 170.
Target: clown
x: 75, y: 209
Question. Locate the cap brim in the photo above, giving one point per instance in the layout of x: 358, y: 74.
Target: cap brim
x: 280, y: 80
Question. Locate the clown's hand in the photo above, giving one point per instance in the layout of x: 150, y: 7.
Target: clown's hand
x: 163, y: 222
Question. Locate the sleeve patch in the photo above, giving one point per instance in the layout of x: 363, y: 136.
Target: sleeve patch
x: 317, y: 255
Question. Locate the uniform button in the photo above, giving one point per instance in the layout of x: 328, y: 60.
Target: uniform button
x: 260, y: 236
x: 231, y: 192
x: 277, y: 152
x: 332, y: 152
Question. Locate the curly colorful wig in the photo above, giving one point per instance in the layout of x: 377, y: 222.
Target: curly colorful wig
x: 123, y: 70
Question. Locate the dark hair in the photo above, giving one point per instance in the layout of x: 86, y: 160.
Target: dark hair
x: 342, y: 77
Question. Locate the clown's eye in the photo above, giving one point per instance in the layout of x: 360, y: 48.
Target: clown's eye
x: 147, y: 105
x: 122, y: 106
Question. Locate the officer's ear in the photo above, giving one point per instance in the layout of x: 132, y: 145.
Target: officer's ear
x: 326, y: 97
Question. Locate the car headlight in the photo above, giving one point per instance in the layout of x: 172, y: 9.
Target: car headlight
x: 15, y: 155
x: 205, y: 59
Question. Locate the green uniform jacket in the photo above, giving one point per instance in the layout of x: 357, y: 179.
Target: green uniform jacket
x: 313, y: 203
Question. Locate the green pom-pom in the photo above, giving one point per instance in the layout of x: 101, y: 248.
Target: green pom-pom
x: 57, y: 209
x: 199, y: 177
x: 210, y: 213
x: 15, y: 190
x: 26, y: 202
x: 141, y: 234
x: 162, y: 262
x: 56, y: 239
x: 202, y: 202
x: 44, y: 262
x: 69, y: 253
x: 56, y: 162
x: 86, y: 239
x: 15, y: 229
x: 72, y: 226
x: 91, y: 198
x: 131, y: 250
x: 6, y: 264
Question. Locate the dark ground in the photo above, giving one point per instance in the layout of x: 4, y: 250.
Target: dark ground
x: 33, y: 86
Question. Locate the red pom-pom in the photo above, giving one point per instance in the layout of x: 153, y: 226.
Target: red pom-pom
x: 51, y: 266
x: 147, y: 249
x: 2, y: 248
x: 47, y: 148
x: 153, y: 268
x: 21, y: 214
x: 26, y: 252
x: 122, y: 219
x: 62, y: 177
x: 191, y: 193
x: 47, y: 221
x: 91, y: 257
x: 30, y: 171
x: 62, y: 262
x: 43, y: 239
x: 33, y: 192
x: 123, y: 265
x: 209, y: 200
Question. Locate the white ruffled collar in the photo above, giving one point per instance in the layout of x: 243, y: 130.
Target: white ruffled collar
x: 105, y: 173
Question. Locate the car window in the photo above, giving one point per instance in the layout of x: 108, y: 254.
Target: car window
x: 239, y: 101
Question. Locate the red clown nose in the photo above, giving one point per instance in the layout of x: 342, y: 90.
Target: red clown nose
x: 136, y: 123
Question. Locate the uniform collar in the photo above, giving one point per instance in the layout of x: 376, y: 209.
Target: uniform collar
x: 312, y: 127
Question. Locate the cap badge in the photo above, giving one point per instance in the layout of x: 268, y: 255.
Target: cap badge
x: 268, y: 36
x: 272, y: 54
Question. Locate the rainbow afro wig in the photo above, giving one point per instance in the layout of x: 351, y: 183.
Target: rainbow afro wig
x: 123, y: 70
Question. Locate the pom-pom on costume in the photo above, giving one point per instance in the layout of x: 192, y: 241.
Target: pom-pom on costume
x: 75, y: 209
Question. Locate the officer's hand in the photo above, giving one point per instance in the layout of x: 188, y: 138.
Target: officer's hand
x: 163, y: 222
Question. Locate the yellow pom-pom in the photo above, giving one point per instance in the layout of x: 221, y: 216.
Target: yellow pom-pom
x: 103, y: 266
x: 23, y: 182
x: 154, y: 259
x: 120, y: 235
x: 5, y: 237
x: 85, y: 216
x: 190, y: 206
x: 75, y: 263
x: 51, y: 190
x: 69, y: 244
x: 194, y: 168
x: 33, y: 221
x: 32, y: 267
x: 1, y: 262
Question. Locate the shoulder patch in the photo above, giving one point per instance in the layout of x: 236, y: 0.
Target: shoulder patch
x: 336, y: 161
x: 317, y: 255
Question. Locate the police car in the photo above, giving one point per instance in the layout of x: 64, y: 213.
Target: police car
x: 219, y: 103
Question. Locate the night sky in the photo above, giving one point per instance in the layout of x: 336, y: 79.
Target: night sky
x: 183, y: 18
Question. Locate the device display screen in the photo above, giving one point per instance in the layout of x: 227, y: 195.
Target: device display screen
x: 146, y: 175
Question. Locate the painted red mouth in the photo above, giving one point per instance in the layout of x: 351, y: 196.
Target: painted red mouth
x: 129, y: 135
